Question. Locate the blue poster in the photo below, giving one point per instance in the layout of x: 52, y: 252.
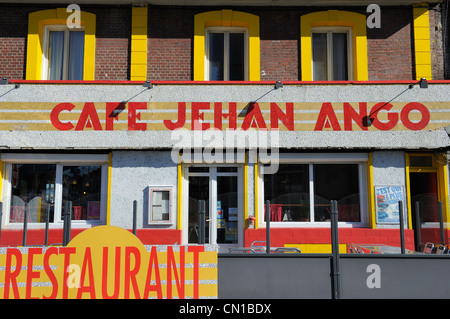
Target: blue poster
x: 386, y: 206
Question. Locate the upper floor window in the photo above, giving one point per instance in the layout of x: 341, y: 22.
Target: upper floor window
x: 227, y: 54
x: 57, y: 52
x: 64, y: 55
x: 226, y: 46
x: 333, y: 46
x: 331, y: 54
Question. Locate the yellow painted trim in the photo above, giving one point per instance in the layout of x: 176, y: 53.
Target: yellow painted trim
x: 318, y: 248
x: 408, y: 189
x: 422, y: 41
x: 256, y: 173
x: 36, y: 22
x: 354, y: 20
x: 1, y: 181
x: 108, y: 200
x: 246, y: 191
x: 370, y: 193
x: 179, y: 193
x: 138, y: 59
x: 226, y: 18
x: 442, y: 168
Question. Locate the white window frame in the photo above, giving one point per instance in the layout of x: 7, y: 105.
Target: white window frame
x: 46, y: 46
x: 318, y: 158
x: 329, y: 31
x: 212, y: 175
x: 152, y: 189
x: 60, y: 160
x: 226, y: 32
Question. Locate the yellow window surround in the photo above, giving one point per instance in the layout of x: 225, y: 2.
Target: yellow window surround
x: 226, y: 18
x: 36, y: 23
x: 335, y: 18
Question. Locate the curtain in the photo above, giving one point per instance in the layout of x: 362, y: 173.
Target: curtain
x: 320, y: 63
x: 216, y: 56
x: 76, y: 55
x: 340, y: 60
x: 56, y: 55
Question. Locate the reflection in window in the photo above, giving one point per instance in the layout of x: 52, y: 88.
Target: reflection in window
x: 289, y: 192
x: 81, y: 191
x: 36, y: 190
x: 33, y: 193
x: 226, y: 56
x: 338, y: 182
x: 330, y: 56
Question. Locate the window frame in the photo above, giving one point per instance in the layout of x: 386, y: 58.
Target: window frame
x: 318, y: 158
x: 152, y: 189
x: 226, y: 31
x: 329, y: 31
x: 60, y: 160
x: 46, y: 46
x: 226, y: 18
x: 37, y: 20
x: 335, y: 18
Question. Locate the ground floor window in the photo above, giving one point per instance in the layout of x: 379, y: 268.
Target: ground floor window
x: 301, y: 192
x: 44, y: 187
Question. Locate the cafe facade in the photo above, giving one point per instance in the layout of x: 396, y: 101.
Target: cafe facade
x: 257, y: 111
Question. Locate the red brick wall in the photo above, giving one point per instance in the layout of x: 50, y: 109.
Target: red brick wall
x: 170, y: 43
x: 170, y: 31
x: 390, y: 51
x: 13, y: 41
x: 113, y: 34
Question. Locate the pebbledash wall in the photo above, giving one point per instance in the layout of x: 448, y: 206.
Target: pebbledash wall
x: 317, y: 122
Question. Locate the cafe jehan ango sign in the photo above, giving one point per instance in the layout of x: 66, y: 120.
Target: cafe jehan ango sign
x: 164, y: 116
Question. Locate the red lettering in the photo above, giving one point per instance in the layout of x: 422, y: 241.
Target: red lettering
x: 253, y: 112
x: 87, y: 265
x: 50, y: 251
x: 30, y: 273
x: 231, y: 115
x: 392, y: 117
x: 197, y: 116
x: 178, y: 280
x: 54, y: 116
x: 88, y: 118
x: 116, y: 274
x: 196, y: 250
x: 327, y: 118
x: 153, y: 264
x: 112, y: 114
x: 359, y: 118
x: 404, y: 115
x: 130, y: 274
x: 277, y: 114
x: 66, y: 251
x: 11, y: 277
x: 133, y: 115
x: 181, y: 118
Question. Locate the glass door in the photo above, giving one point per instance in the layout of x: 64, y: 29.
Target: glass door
x: 219, y: 188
